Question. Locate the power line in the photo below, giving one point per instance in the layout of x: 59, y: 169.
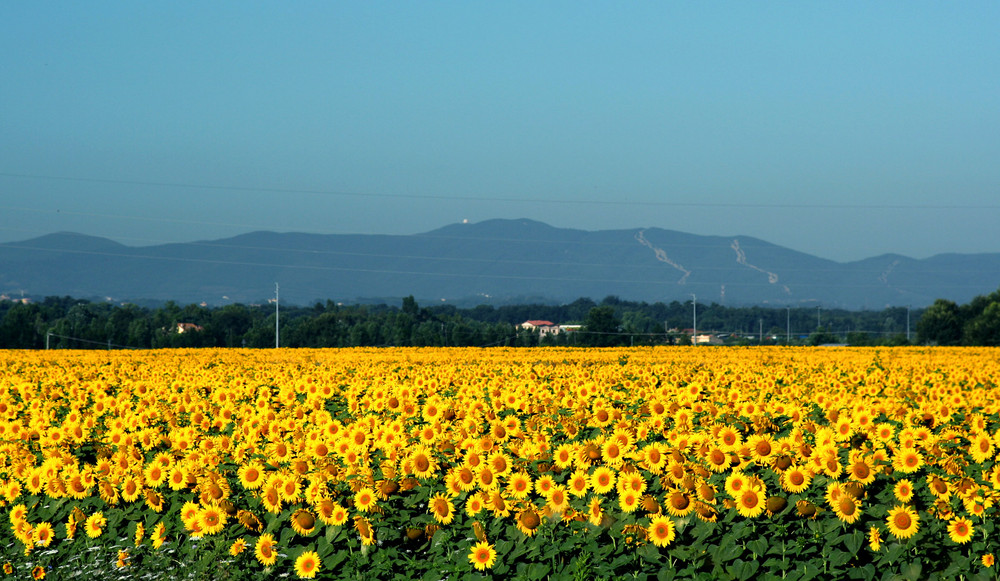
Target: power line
x: 618, y: 201
x: 107, y: 344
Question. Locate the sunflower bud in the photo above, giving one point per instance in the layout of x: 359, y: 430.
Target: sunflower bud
x: 776, y: 504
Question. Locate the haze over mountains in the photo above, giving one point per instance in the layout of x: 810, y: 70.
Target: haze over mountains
x: 495, y: 261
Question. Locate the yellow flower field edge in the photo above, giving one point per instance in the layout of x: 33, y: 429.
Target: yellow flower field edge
x: 663, y: 463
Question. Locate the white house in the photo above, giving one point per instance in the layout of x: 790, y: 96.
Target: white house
x: 543, y: 327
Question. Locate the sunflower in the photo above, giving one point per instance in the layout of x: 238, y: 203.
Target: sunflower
x: 903, y: 491
x: 564, y: 455
x: 109, y: 494
x: 140, y: 533
x: 679, y: 503
x: 265, y: 549
x: 528, y: 521
x: 629, y: 500
x: 18, y: 512
x: 475, y: 504
x: 497, y: 504
x: 519, y: 485
x: 154, y: 474
x: 613, y: 453
x: 212, y: 520
x: 422, y: 463
x: 602, y: 480
x: 364, y: 499
x: 482, y: 556
x: 36, y: 480
x: 831, y: 466
x: 486, y: 479
x: 304, y: 522
x: 442, y: 508
x: 44, y: 534
x: 874, y: 538
x: 579, y: 483
x: 981, y: 447
x: 385, y: 488
x: 795, y: 480
x: 307, y: 564
x: 178, y: 478
x: 861, y: 472
x: 988, y: 560
x: 847, y: 508
x: 751, y: 502
x: 761, y: 448
x: 330, y: 512
x: 249, y: 520
x: 153, y: 499
x: 558, y: 499
x: 595, y: 514
x: 653, y: 458
x: 290, y: 489
x: 718, y: 460
x: 907, y: 460
x: 159, y: 535
x: 544, y: 484
x: 834, y: 492
x: 271, y: 499
x: 661, y: 531
x: 38, y: 572
x: 903, y: 522
x: 729, y: 439
x: 736, y: 483
x: 960, y: 530
x: 631, y: 482
x: 236, y: 549
x: 95, y: 524
x: 251, y: 476
x: 465, y: 477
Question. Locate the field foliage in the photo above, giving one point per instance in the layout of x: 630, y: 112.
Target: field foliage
x: 728, y: 463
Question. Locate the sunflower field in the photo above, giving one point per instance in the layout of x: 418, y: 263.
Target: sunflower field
x: 548, y: 463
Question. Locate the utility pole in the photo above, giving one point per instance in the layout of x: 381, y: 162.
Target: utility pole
x: 760, y: 337
x: 907, y: 323
x: 276, y: 335
x: 694, y: 309
x: 788, y: 326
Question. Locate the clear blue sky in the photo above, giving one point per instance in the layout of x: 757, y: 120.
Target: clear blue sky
x: 843, y: 129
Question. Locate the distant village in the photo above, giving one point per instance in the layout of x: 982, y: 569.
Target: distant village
x: 548, y: 328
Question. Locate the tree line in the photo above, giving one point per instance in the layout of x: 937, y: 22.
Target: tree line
x: 66, y: 322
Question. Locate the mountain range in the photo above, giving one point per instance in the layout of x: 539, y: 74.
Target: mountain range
x: 494, y: 262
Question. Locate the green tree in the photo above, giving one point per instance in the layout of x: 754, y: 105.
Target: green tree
x: 941, y: 324
x: 984, y: 329
x: 601, y: 327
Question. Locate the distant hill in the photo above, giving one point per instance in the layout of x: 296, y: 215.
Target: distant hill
x: 496, y: 261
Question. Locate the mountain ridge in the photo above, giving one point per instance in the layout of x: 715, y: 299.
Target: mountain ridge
x: 491, y: 261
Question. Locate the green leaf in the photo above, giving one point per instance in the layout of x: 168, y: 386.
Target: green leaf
x: 810, y: 571
x: 838, y: 559
x: 537, y: 571
x: 650, y: 553
x: 758, y: 546
x: 911, y: 570
x: 335, y: 560
x: 727, y: 551
x: 854, y: 541
x: 744, y: 570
